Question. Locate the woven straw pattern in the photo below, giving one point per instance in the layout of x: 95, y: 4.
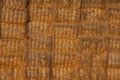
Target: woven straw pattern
x: 59, y: 39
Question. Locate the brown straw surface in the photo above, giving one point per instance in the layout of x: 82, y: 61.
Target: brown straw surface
x: 59, y: 39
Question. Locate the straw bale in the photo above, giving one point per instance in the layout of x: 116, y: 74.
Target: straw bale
x: 93, y: 30
x: 40, y: 28
x: 68, y: 31
x: 93, y: 14
x: 12, y: 47
x: 67, y: 15
x: 11, y: 15
x: 38, y: 58
x: 64, y: 45
x: 41, y: 14
x: 37, y: 73
x: 64, y: 73
x: 98, y: 73
x: 114, y: 14
x: 113, y: 3
x: 14, y: 3
x: 113, y: 73
x: 9, y: 30
x: 39, y: 44
x: 66, y: 59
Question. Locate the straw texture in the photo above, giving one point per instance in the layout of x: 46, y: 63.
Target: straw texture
x: 59, y: 39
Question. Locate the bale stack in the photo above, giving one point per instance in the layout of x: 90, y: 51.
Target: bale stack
x: 92, y: 39
x: 39, y: 31
x: 12, y: 43
x: 113, y: 10
x: 64, y: 47
x: 59, y: 39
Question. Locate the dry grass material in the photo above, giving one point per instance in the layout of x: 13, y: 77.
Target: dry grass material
x: 59, y: 39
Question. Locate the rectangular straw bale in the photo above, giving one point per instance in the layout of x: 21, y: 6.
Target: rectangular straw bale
x: 113, y: 3
x: 113, y: 73
x: 66, y: 59
x: 67, y: 15
x: 38, y: 58
x: 16, y: 31
x: 64, y: 45
x: 11, y: 61
x: 68, y: 31
x: 36, y: 72
x: 12, y: 47
x: 41, y: 14
x: 114, y: 44
x: 11, y: 15
x: 15, y: 3
x: 87, y: 45
x: 84, y: 73
x: 114, y: 14
x: 39, y: 44
x: 100, y: 57
x: 93, y: 14
x: 64, y: 73
x: 40, y: 28
x: 99, y: 73
x: 11, y: 74
x: 93, y: 30
x: 114, y: 59
x: 114, y: 30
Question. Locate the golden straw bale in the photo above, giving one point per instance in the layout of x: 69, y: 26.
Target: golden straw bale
x: 99, y: 73
x: 11, y: 15
x: 113, y: 3
x: 42, y: 43
x: 40, y: 73
x: 93, y: 30
x: 38, y: 58
x: 67, y: 15
x: 12, y: 47
x: 64, y: 45
x: 9, y: 30
x: 41, y: 14
x: 114, y: 14
x: 66, y: 59
x: 114, y: 30
x: 15, y: 3
x: 64, y: 73
x: 93, y: 14
x: 40, y: 28
x: 68, y: 31
x: 113, y: 73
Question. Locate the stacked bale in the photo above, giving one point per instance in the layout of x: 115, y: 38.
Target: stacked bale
x: 12, y: 50
x: 64, y: 47
x: 39, y: 33
x: 113, y: 10
x: 93, y: 31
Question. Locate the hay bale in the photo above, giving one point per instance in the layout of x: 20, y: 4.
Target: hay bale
x: 67, y: 15
x: 11, y: 15
x: 15, y: 3
x: 41, y: 14
x: 9, y: 30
